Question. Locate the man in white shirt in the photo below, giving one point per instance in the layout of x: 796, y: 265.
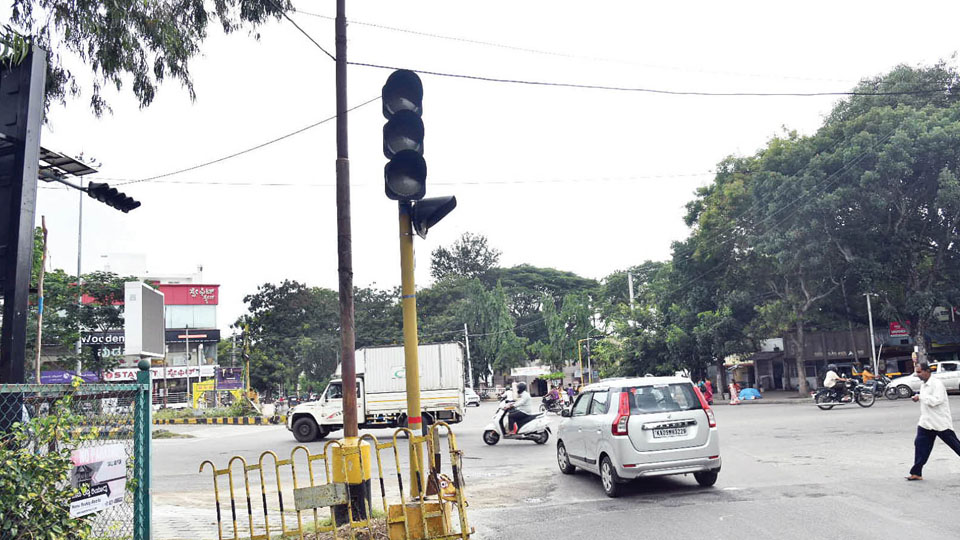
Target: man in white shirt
x: 831, y: 381
x: 935, y: 420
x: 523, y: 409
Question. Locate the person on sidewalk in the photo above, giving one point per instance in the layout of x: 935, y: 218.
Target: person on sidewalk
x: 935, y: 420
x: 708, y: 395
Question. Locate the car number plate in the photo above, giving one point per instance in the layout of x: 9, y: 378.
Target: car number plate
x: 669, y: 432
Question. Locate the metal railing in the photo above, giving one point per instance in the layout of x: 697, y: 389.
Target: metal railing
x: 439, y: 503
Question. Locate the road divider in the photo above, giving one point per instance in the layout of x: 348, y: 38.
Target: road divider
x: 228, y: 420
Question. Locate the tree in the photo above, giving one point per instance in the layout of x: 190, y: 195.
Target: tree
x: 494, y: 342
x: 131, y: 41
x: 293, y: 329
x: 469, y: 256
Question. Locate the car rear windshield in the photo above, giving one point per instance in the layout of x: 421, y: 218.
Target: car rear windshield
x: 662, y: 398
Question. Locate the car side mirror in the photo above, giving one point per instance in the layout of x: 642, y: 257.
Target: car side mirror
x: 565, y: 412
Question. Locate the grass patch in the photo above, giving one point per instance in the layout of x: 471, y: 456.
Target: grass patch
x: 165, y: 434
x: 235, y: 410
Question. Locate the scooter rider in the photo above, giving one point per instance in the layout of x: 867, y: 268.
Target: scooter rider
x: 522, y: 410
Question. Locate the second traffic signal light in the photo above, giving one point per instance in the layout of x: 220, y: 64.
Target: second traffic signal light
x: 110, y: 196
x: 405, y: 175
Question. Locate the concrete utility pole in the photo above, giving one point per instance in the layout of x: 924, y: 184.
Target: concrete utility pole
x: 873, y: 348
x: 466, y: 338
x: 43, y: 267
x: 79, y: 280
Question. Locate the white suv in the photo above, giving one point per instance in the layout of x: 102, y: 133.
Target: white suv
x: 627, y: 428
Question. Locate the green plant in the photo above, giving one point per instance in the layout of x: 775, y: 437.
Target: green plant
x: 35, y: 471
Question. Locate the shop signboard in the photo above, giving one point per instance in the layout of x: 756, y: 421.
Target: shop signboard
x: 66, y: 377
x: 172, y: 372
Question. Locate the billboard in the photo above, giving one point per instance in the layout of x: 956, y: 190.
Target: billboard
x: 143, y: 325
x: 230, y: 378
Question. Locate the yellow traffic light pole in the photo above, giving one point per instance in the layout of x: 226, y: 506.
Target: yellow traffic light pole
x: 411, y: 361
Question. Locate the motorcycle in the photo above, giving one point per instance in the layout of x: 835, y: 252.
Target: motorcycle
x: 852, y: 392
x: 551, y: 405
x: 536, y: 430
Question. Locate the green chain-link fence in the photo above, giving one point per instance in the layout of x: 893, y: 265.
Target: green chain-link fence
x: 107, y: 433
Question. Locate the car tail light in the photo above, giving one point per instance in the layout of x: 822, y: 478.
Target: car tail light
x: 623, y: 415
x: 711, y: 418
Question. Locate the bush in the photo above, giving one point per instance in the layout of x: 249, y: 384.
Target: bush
x: 35, y: 471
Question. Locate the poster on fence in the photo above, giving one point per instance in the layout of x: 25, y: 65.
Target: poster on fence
x: 100, y: 473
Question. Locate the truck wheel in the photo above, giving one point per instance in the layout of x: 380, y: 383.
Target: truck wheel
x: 305, y: 429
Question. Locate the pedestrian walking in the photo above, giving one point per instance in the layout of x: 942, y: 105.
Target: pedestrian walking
x: 708, y: 395
x: 935, y: 420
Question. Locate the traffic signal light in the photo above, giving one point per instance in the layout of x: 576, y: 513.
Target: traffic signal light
x: 110, y: 196
x: 428, y: 212
x: 405, y: 175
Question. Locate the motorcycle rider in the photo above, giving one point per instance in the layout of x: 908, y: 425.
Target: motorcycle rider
x: 834, y: 382
x: 522, y: 410
x: 553, y: 396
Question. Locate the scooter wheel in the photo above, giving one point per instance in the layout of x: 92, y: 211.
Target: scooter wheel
x: 491, y: 437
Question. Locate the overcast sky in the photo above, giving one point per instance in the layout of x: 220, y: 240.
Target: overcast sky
x: 589, y: 181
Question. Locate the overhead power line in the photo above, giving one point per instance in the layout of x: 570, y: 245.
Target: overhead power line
x: 544, y: 52
x: 246, y: 150
x: 660, y: 91
x: 589, y: 86
x: 246, y: 183
x: 302, y: 31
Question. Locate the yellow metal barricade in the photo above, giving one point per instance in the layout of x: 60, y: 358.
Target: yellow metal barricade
x: 426, y: 516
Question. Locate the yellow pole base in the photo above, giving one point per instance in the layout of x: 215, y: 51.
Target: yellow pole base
x: 349, y: 468
x: 437, y: 523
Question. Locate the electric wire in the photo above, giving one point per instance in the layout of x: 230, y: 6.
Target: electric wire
x: 242, y: 183
x: 658, y: 91
x: 246, y: 150
x: 562, y: 54
x: 302, y: 31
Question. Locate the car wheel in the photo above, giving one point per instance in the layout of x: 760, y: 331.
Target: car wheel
x: 305, y: 429
x: 706, y: 479
x: 491, y: 437
x: 904, y: 391
x: 564, y: 460
x: 609, y: 478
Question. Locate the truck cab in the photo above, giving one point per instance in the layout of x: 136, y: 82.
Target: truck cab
x: 314, y: 420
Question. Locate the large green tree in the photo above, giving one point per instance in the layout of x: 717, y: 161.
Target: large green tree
x: 134, y: 43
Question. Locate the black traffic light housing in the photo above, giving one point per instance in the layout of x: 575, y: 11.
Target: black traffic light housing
x: 111, y: 197
x: 405, y: 175
x: 428, y: 212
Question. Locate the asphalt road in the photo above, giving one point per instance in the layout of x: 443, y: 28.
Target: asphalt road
x: 789, y: 471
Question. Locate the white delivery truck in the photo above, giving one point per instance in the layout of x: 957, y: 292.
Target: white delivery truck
x: 382, y: 392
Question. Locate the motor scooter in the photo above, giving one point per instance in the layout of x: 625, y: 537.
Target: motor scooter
x: 536, y: 430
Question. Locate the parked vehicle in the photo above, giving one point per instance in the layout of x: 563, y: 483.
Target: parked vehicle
x: 382, y: 393
x: 853, y: 392
x: 536, y: 430
x: 470, y: 397
x: 624, y: 429
x: 948, y: 371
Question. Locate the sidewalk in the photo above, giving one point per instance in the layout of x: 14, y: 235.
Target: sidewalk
x: 770, y: 397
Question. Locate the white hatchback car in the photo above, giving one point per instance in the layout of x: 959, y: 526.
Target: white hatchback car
x: 628, y: 428
x: 948, y: 371
x: 470, y: 397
